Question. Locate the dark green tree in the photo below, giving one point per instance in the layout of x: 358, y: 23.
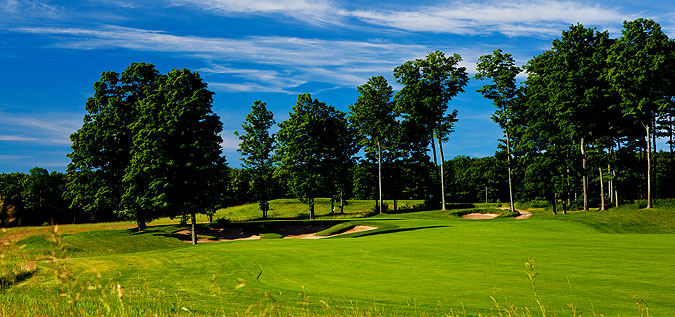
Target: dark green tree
x: 374, y: 117
x: 306, y: 143
x: 428, y: 85
x: 149, y: 147
x: 177, y: 159
x: 256, y: 148
x: 504, y: 92
x: 638, y: 61
x: 102, y: 146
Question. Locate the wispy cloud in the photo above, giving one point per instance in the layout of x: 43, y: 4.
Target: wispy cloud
x: 45, y: 128
x: 13, y: 157
x: 511, y: 18
x: 297, y: 60
x: 307, y: 11
x: 12, y: 11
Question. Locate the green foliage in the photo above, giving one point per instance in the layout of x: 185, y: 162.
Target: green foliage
x: 149, y: 146
x: 313, y: 144
x: 256, y: 148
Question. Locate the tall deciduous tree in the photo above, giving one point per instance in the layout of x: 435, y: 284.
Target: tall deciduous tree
x: 256, y: 148
x: 102, y: 146
x: 305, y: 148
x: 638, y: 61
x: 149, y: 146
x: 428, y: 85
x: 373, y: 115
x: 501, y: 70
x: 177, y: 159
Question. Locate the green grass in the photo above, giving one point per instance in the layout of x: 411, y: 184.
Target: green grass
x: 294, y: 209
x: 430, y: 262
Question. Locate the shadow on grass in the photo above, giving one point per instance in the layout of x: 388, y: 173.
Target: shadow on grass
x: 397, y: 230
x: 6, y: 282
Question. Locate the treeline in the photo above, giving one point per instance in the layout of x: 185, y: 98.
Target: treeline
x: 580, y: 131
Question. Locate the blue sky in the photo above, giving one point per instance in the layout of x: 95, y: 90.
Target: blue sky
x: 51, y: 53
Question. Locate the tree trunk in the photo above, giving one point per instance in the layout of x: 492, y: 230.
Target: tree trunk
x: 555, y: 201
x: 310, y: 203
x: 194, y: 225
x: 584, y: 174
x: 508, y: 167
x: 567, y: 179
x: 610, y: 188
x: 342, y: 201
x: 140, y: 222
x: 379, y: 174
x: 440, y: 153
x: 332, y: 205
x: 602, y: 191
x: 616, y: 193
x: 649, y: 169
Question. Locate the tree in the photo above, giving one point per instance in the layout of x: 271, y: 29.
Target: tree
x: 428, y: 85
x: 638, y: 60
x: 503, y: 91
x: 374, y: 117
x: 177, y: 159
x: 102, y: 146
x: 256, y: 148
x: 149, y: 147
x: 306, y: 146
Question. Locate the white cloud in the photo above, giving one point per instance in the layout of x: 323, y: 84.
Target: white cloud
x: 511, y: 18
x: 313, y: 12
x: 296, y: 60
x: 13, y: 157
x: 43, y: 128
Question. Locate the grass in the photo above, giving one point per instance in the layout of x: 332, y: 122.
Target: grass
x: 429, y: 262
x: 293, y: 209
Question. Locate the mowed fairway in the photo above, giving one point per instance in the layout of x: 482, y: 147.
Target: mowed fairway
x: 418, y: 263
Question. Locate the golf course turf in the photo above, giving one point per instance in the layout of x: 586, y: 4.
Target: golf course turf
x: 428, y: 263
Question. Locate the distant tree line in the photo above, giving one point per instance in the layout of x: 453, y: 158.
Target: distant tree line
x: 580, y: 131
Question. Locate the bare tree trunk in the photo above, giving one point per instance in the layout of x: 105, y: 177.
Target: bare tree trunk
x: 379, y: 173
x: 508, y: 167
x: 440, y: 153
x: 649, y: 169
x: 194, y: 225
x: 342, y: 201
x: 567, y: 178
x: 433, y: 149
x: 584, y: 174
x: 140, y: 222
x: 610, y: 188
x: 311, y: 208
x: 555, y: 201
x: 616, y: 192
x: 332, y: 205
x: 602, y: 191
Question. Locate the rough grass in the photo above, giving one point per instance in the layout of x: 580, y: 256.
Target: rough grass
x: 420, y: 263
x: 294, y: 209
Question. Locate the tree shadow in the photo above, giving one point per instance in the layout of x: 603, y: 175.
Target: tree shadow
x: 396, y: 230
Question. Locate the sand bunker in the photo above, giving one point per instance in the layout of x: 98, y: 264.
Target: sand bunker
x: 288, y: 232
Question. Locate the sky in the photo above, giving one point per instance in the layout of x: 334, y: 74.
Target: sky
x: 52, y: 52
